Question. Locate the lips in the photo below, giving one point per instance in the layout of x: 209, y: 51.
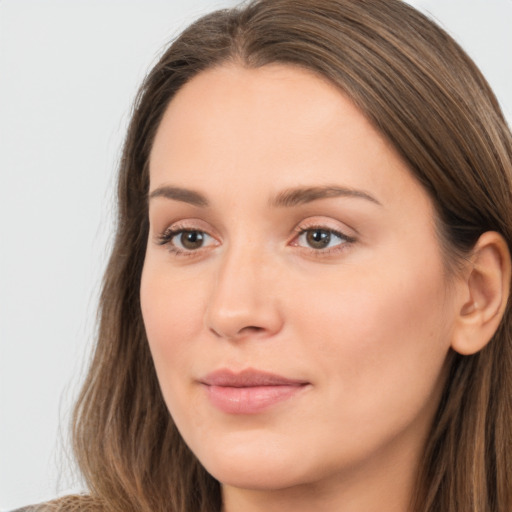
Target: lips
x: 249, y: 391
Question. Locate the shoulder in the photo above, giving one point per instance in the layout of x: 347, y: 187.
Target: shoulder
x: 73, y: 503
x: 35, y: 508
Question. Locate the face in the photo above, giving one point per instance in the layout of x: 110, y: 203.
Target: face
x: 293, y: 290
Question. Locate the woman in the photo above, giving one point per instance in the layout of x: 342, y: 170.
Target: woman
x: 306, y: 307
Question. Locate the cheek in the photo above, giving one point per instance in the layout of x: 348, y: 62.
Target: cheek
x: 172, y: 313
x: 382, y: 340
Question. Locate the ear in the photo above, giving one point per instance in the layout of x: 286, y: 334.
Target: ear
x: 485, y: 292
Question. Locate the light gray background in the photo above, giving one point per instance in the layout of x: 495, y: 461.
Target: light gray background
x: 69, y: 70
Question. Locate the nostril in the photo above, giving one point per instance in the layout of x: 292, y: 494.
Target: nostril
x: 248, y: 331
x: 251, y: 328
x: 244, y: 331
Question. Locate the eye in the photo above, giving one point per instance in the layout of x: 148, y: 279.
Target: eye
x: 190, y: 240
x: 185, y: 240
x: 321, y: 238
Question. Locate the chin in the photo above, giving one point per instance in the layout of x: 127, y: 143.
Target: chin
x: 256, y: 478
x: 262, y: 469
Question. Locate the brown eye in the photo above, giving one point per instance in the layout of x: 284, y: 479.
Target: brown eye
x: 318, y: 238
x: 191, y: 240
x: 181, y: 241
x: 321, y: 238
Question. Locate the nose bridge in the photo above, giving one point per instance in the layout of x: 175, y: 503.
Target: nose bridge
x: 242, y: 299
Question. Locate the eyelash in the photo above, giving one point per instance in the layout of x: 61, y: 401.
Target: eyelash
x: 169, y: 234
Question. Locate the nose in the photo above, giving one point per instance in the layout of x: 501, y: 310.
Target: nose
x: 244, y: 301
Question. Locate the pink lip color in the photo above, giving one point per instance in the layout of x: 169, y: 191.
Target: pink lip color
x: 250, y: 391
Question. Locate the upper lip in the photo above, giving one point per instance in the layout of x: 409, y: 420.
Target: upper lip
x: 248, y: 378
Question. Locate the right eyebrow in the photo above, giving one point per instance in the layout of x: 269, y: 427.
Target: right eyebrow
x: 184, y: 195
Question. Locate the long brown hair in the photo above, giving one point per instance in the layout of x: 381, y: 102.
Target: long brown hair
x: 428, y: 98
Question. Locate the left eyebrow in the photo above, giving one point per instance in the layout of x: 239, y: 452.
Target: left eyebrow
x: 302, y: 195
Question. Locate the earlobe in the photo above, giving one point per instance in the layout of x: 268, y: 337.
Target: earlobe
x: 485, y: 294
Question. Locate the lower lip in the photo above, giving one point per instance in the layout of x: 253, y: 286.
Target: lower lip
x: 250, y: 400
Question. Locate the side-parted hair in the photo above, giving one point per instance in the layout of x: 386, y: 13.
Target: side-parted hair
x: 422, y: 92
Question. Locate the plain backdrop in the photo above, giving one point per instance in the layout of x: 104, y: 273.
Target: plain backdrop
x: 69, y: 70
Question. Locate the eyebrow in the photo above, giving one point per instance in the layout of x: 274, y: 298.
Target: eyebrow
x: 287, y: 198
x: 184, y: 195
x: 302, y: 195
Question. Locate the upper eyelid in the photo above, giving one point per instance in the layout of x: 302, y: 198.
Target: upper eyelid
x: 329, y: 224
x: 188, y: 225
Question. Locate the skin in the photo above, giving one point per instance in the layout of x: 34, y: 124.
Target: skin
x: 367, y: 322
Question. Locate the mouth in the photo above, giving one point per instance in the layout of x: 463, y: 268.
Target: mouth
x: 250, y: 391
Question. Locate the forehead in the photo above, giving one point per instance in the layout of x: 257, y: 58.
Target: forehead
x: 278, y: 124
x: 234, y: 102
